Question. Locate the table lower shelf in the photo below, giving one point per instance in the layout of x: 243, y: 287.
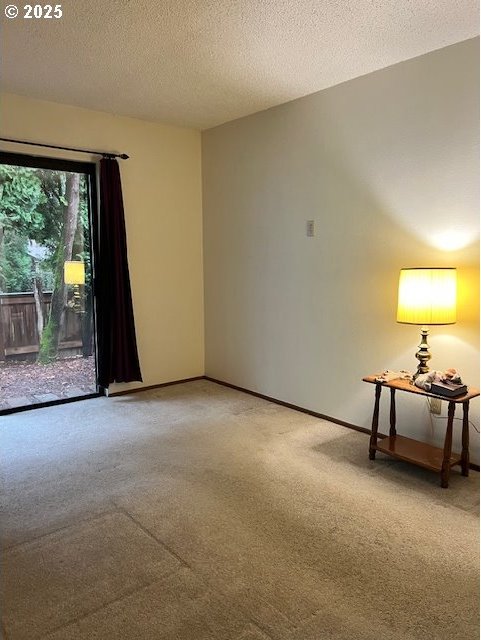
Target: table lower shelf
x: 420, y: 453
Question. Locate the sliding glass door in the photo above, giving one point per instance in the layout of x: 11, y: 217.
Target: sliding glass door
x: 47, y: 323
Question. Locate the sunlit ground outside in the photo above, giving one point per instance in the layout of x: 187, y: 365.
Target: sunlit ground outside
x: 25, y: 383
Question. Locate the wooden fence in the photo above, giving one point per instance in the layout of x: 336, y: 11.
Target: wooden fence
x: 18, y: 326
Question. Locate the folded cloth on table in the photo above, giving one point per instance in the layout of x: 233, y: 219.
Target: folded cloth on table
x: 450, y: 376
x: 388, y: 375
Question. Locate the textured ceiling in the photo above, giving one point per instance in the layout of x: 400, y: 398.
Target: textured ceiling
x: 201, y: 63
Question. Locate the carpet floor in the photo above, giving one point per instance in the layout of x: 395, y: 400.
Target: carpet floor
x: 196, y: 512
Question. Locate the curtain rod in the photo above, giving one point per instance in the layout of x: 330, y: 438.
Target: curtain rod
x: 106, y: 154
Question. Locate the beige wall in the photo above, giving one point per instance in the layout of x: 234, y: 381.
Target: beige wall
x: 387, y: 166
x: 162, y: 198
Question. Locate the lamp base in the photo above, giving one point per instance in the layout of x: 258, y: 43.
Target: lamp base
x: 423, y: 354
x: 76, y: 302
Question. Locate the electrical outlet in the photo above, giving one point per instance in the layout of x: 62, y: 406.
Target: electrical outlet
x: 435, y: 406
x: 310, y: 228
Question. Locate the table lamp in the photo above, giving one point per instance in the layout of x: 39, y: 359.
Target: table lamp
x: 74, y: 273
x: 427, y: 296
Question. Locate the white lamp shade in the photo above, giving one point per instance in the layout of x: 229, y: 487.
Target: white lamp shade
x: 74, y: 272
x: 427, y: 296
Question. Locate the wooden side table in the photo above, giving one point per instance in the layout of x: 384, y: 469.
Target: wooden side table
x: 420, y: 453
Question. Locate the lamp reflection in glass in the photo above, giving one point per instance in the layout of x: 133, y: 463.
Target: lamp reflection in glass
x: 427, y: 296
x: 74, y: 274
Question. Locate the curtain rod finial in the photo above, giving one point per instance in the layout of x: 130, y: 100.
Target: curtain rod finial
x: 124, y: 156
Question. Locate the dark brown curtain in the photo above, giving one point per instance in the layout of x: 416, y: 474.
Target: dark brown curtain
x: 118, y: 359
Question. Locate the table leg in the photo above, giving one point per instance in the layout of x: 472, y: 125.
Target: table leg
x: 465, y: 441
x: 392, y: 414
x: 448, y: 443
x: 375, y: 422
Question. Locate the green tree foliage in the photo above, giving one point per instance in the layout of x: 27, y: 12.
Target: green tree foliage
x: 21, y: 199
x: 53, y: 185
x: 32, y: 202
x: 15, y: 263
x: 34, y: 206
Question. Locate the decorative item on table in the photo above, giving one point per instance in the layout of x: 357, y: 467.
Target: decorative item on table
x: 448, y: 383
x: 427, y: 296
x: 388, y: 375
